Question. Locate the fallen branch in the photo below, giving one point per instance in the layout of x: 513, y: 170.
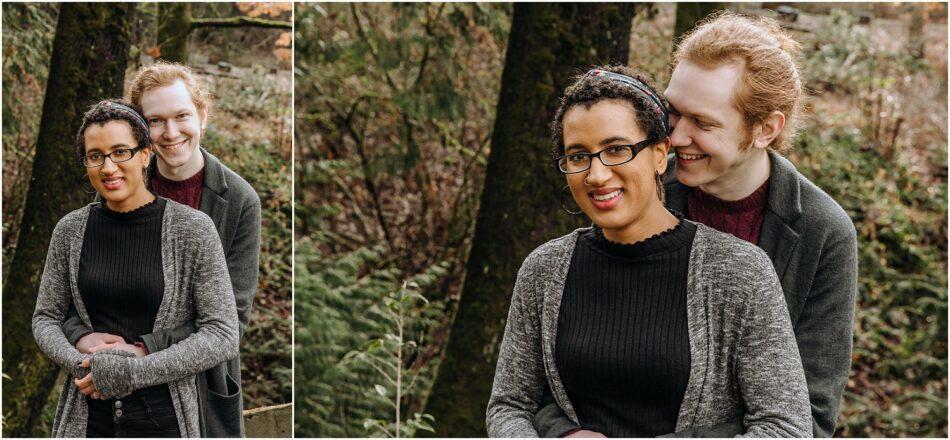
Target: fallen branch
x: 240, y: 22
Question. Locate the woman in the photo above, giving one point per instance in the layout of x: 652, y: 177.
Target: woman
x: 646, y: 323
x: 131, y: 265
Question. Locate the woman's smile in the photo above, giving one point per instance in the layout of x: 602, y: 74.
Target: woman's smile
x: 113, y: 183
x: 606, y: 198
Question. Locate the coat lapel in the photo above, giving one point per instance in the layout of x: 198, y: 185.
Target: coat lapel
x: 215, y: 186
x: 215, y: 206
x: 778, y: 238
x: 779, y: 241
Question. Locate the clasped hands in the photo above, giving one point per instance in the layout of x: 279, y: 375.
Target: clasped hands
x: 93, y: 343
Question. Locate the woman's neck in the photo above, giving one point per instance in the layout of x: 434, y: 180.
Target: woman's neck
x: 655, y: 220
x: 138, y: 200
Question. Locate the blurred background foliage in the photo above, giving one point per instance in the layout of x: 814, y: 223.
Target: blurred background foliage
x: 249, y: 129
x: 394, y: 107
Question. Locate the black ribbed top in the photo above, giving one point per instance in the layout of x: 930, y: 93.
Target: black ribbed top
x: 121, y: 278
x: 622, y: 347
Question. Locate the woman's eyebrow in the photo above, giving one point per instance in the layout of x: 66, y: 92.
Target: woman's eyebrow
x: 573, y: 147
x: 614, y: 139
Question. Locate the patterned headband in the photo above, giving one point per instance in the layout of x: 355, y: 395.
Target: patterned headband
x: 639, y: 86
x: 127, y: 110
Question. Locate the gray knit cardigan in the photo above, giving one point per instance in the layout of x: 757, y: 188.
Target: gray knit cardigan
x: 197, y: 289
x: 743, y: 356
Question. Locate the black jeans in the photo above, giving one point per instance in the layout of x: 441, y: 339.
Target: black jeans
x: 147, y: 412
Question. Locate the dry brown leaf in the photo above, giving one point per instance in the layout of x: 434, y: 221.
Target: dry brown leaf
x: 284, y: 40
x: 257, y: 9
x: 154, y: 52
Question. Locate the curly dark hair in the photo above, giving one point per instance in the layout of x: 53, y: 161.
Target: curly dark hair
x: 112, y: 110
x: 588, y: 90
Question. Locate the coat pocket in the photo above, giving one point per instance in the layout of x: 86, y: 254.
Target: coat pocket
x: 223, y: 416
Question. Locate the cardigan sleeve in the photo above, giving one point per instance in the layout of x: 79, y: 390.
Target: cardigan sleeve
x: 215, y: 340
x: 53, y: 302
x: 519, y: 374
x: 768, y: 366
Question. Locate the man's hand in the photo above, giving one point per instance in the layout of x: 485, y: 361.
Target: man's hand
x: 86, y: 385
x: 122, y: 345
x: 583, y: 433
x: 87, y: 342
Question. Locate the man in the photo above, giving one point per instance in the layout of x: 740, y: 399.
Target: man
x: 176, y: 106
x: 734, y: 95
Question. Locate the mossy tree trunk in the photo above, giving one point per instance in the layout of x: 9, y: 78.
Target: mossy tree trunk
x: 688, y: 14
x: 521, y: 203
x: 174, y: 28
x: 88, y: 62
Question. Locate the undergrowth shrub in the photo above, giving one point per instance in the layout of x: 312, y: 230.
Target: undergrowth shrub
x: 887, y: 168
x: 360, y: 323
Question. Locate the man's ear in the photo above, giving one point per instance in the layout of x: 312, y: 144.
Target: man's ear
x: 769, y: 129
x: 203, y: 114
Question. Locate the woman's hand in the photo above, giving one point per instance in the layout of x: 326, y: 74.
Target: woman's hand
x: 87, y: 342
x: 86, y: 384
x: 583, y: 433
x: 134, y: 349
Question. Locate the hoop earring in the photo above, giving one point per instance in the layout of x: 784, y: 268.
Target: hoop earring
x: 566, y: 205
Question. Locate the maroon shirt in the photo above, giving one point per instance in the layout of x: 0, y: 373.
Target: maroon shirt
x: 187, y: 192
x: 742, y: 218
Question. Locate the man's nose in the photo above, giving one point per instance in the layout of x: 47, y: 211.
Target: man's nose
x: 171, y: 131
x: 679, y: 137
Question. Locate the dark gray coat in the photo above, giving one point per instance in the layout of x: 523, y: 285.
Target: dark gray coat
x: 742, y: 350
x: 812, y: 244
x: 235, y: 209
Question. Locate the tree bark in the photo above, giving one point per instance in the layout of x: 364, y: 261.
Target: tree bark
x: 521, y: 203
x: 688, y: 14
x: 174, y: 28
x: 88, y: 62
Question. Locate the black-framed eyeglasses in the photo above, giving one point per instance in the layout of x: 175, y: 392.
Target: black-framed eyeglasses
x: 610, y: 156
x: 118, y: 155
